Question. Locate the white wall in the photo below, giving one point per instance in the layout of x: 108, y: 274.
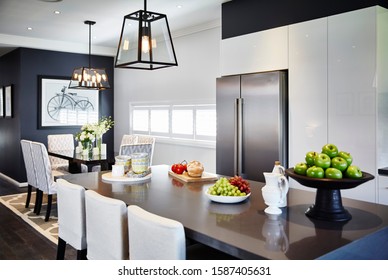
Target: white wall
x: 193, y: 79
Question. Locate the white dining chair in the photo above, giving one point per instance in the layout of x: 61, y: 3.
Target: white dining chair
x: 128, y: 139
x: 30, y: 169
x: 152, y: 237
x: 60, y: 142
x: 71, y: 218
x: 44, y: 176
x: 145, y: 139
x: 106, y: 227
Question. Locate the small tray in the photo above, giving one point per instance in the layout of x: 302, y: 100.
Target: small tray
x: 108, y: 177
x: 206, y: 177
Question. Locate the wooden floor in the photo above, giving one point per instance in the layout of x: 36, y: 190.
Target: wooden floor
x: 18, y: 240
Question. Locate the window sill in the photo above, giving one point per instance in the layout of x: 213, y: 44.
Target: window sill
x: 186, y: 142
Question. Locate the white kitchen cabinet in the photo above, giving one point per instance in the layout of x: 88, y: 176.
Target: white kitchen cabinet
x: 383, y: 190
x: 352, y: 41
x: 307, y: 89
x: 256, y: 52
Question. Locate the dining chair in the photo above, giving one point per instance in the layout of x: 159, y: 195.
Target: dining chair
x: 106, y: 227
x: 144, y: 139
x: 30, y: 168
x: 153, y: 237
x: 44, y: 176
x: 71, y: 218
x: 60, y: 142
x: 128, y: 139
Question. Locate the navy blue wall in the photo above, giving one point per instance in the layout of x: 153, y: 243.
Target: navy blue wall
x: 241, y: 17
x: 22, y: 68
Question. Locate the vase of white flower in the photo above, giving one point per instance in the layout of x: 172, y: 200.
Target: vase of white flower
x: 100, y: 128
x: 86, y: 137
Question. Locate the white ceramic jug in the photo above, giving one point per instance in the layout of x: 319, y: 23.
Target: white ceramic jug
x: 274, y: 192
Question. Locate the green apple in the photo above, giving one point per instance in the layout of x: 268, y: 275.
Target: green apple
x: 333, y: 173
x: 330, y: 149
x: 315, y: 172
x: 300, y: 168
x: 339, y: 163
x: 353, y: 172
x: 322, y: 160
x: 347, y: 156
x: 310, y: 157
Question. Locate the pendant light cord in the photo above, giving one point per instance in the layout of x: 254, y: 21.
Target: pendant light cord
x: 145, y: 5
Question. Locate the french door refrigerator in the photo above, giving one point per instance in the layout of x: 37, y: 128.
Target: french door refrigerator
x: 252, y: 124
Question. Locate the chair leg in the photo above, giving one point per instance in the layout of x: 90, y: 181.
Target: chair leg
x: 29, y: 190
x: 38, y: 202
x: 49, y: 203
x: 61, y: 249
x: 81, y: 254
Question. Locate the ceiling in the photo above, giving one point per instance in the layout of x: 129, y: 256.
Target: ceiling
x: 66, y: 31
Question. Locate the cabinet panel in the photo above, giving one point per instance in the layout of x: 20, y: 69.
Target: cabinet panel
x: 352, y: 91
x: 383, y: 190
x: 307, y: 88
x: 255, y: 52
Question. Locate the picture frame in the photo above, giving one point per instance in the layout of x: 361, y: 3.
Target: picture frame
x: 1, y: 103
x: 8, y: 112
x: 61, y: 107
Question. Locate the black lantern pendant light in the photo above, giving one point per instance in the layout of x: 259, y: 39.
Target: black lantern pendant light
x: 145, y: 42
x: 88, y: 77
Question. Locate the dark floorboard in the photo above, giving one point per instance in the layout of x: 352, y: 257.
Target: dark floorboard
x: 18, y: 240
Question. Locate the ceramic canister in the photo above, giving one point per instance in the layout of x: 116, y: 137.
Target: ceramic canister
x: 123, y: 160
x: 140, y: 162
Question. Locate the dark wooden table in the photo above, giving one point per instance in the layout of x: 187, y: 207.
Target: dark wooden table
x: 76, y: 159
x: 243, y: 230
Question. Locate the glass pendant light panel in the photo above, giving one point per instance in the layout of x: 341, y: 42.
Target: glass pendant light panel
x: 128, y: 48
x: 162, y: 48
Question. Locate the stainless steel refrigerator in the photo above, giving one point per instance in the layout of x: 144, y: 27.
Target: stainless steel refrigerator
x: 252, y: 124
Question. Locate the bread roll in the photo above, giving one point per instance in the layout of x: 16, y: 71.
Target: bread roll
x: 195, y: 168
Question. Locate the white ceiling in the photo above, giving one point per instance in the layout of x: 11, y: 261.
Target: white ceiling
x: 67, y: 32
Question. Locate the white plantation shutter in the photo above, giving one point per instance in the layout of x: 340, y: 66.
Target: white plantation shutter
x: 175, y: 121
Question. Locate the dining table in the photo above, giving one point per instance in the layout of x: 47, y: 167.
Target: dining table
x: 76, y: 159
x: 243, y: 230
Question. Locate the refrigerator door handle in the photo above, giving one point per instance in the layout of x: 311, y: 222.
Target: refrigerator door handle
x: 238, y: 136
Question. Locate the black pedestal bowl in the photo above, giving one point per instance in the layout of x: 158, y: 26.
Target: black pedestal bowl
x: 328, y: 202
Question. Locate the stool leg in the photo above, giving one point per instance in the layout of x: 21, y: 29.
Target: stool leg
x: 61, y: 249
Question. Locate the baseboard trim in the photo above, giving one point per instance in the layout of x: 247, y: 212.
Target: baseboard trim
x: 12, y: 181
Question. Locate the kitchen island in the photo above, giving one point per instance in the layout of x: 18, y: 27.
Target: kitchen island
x: 243, y: 230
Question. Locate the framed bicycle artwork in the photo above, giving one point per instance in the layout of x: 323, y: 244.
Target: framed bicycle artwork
x: 61, y: 107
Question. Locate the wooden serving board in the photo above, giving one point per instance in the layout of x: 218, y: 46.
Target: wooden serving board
x: 206, y: 177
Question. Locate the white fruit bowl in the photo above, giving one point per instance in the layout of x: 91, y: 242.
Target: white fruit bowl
x: 226, y: 199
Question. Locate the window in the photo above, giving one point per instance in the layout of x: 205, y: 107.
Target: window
x: 175, y: 121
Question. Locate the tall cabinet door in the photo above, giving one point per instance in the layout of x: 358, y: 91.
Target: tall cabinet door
x: 264, y: 113
x: 352, y: 91
x: 228, y: 90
